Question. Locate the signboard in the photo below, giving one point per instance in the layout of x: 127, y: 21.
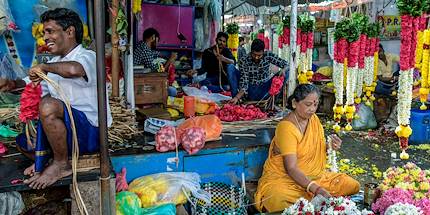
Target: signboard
x: 390, y: 27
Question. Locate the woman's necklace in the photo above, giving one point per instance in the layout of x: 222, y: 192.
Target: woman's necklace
x: 298, y: 124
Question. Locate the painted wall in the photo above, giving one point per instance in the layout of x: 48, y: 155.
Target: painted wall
x: 24, y: 13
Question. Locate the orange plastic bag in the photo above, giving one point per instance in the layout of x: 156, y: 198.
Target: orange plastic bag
x: 210, y: 123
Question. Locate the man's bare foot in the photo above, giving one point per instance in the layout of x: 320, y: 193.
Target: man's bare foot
x: 49, y: 176
x: 29, y: 170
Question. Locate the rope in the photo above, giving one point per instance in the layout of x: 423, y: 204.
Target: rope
x: 221, y: 70
x: 75, y: 148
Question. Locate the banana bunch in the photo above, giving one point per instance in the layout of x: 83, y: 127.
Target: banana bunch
x: 37, y: 32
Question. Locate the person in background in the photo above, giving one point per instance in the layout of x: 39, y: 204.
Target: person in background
x: 255, y: 75
x: 218, y: 63
x: 145, y: 54
x: 241, y: 52
x: 296, y: 165
x: 10, y: 85
x: 388, y: 72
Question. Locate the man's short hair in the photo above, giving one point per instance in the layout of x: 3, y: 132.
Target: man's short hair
x: 257, y: 45
x: 65, y: 18
x: 222, y: 34
x: 149, y: 32
x: 241, y: 39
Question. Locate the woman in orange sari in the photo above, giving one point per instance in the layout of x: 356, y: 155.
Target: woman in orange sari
x: 296, y: 165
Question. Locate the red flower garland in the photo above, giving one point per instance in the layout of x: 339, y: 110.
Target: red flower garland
x: 287, y: 36
x: 416, y: 27
x: 299, y: 38
x: 340, y: 50
x: 405, y: 44
x: 310, y: 40
x: 304, y: 44
x: 30, y: 100
x: 276, y: 86
x: 362, y: 54
x: 354, y: 48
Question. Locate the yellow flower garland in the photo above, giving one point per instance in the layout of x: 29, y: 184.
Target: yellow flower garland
x: 233, y: 43
x: 137, y: 6
x: 419, y: 49
x: 424, y: 90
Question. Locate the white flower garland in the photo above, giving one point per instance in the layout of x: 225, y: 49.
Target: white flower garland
x: 403, y: 209
x: 368, y: 71
x: 359, y: 83
x: 298, y: 56
x: 338, y: 82
x: 286, y: 50
x: 404, y: 97
x: 331, y: 154
x: 351, y: 79
x: 303, y: 62
x: 309, y: 53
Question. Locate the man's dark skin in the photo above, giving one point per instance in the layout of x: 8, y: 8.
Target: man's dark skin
x: 383, y: 58
x: 60, y: 42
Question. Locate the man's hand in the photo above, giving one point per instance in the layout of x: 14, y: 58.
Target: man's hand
x: 6, y: 85
x: 234, y: 101
x: 190, y: 73
x: 32, y: 73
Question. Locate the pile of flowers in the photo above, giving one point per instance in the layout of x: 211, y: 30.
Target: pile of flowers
x: 232, y: 113
x: 320, y: 206
x: 30, y: 99
x: 408, y: 184
x: 401, y: 208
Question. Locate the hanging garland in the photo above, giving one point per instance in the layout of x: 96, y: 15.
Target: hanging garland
x: 422, y: 59
x: 362, y: 22
x: 340, y: 54
x: 410, y: 24
x: 284, y: 38
x: 306, y: 26
x: 233, y: 38
x: 371, y: 62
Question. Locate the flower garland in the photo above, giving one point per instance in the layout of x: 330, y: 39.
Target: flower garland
x: 340, y: 48
x: 306, y: 25
x: 407, y: 64
x: 30, y: 99
x: 233, y: 38
x: 331, y: 155
x: 424, y: 66
x: 371, y: 63
x: 351, y: 78
x: 362, y: 22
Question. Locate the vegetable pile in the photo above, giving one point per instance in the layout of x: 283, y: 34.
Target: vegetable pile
x: 231, y: 113
x: 165, y: 139
x: 192, y: 139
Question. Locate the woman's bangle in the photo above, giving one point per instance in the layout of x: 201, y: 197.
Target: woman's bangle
x: 309, y: 186
x: 316, y: 191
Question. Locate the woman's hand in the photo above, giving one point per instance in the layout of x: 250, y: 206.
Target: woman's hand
x: 323, y: 192
x: 336, y: 142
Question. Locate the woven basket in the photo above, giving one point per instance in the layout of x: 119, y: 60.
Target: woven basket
x: 225, y: 199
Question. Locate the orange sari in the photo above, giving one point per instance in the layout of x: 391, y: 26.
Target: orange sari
x: 276, y: 189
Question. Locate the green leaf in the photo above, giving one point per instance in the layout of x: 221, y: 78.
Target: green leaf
x: 233, y: 28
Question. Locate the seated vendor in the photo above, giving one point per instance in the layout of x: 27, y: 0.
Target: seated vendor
x: 255, y: 75
x: 145, y: 54
x: 212, y: 58
x: 74, y: 69
x: 296, y: 164
x: 388, y: 71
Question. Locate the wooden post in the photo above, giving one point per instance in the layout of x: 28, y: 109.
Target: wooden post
x: 293, y: 47
x: 115, y: 52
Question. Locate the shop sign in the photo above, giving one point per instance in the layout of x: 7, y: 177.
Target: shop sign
x: 390, y: 27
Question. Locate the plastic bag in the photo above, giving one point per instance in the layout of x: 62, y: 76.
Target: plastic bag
x: 167, y: 209
x: 166, y: 139
x: 366, y: 119
x: 193, y: 139
x: 163, y: 188
x: 11, y: 203
x: 6, y: 21
x: 216, y: 97
x: 153, y: 125
x: 210, y: 123
x: 128, y: 203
